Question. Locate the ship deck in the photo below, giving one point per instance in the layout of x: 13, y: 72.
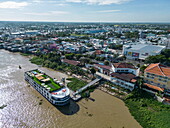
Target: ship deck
x: 44, y: 80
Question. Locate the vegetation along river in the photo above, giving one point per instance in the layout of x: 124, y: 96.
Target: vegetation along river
x: 24, y: 107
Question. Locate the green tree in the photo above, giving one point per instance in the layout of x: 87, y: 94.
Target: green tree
x: 155, y: 59
x: 69, y: 56
x: 106, y: 62
x: 93, y: 71
x: 78, y: 56
x: 166, y: 53
x: 142, y: 68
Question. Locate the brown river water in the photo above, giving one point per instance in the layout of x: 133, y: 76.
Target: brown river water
x: 23, y: 109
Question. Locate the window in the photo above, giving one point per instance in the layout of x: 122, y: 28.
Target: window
x: 164, y: 86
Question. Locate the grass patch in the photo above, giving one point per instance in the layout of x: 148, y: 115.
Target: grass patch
x: 79, y: 35
x: 147, y: 111
x: 25, y: 54
x: 75, y: 83
x: 37, y: 60
x: 51, y: 84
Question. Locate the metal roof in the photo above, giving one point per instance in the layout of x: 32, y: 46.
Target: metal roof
x: 147, y: 48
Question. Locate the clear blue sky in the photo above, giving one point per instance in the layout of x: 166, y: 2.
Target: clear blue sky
x: 85, y: 10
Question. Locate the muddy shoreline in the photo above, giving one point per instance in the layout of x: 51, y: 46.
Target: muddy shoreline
x: 24, y: 109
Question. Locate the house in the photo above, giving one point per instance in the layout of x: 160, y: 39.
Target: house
x: 125, y: 68
x: 141, y: 51
x: 125, y: 80
x: 71, y: 62
x: 104, y: 69
x: 124, y: 75
x: 121, y: 74
x: 157, y: 78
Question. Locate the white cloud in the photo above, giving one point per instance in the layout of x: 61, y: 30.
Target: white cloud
x: 12, y: 4
x: 37, y: 1
x: 43, y: 1
x: 61, y: 4
x: 51, y: 13
x: 99, y: 2
x: 109, y: 11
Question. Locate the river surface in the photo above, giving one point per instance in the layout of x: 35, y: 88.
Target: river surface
x: 23, y: 109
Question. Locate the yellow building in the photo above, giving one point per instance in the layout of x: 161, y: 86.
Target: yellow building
x: 157, y: 77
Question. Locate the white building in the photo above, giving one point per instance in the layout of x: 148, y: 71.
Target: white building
x: 125, y: 80
x: 125, y: 68
x: 141, y: 51
x: 121, y: 74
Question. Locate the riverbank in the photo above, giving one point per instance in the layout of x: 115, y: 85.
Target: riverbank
x: 148, y: 111
x: 27, y: 108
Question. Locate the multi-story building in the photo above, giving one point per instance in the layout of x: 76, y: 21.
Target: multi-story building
x: 121, y: 74
x: 125, y: 68
x: 157, y: 78
x: 141, y: 51
x: 124, y: 75
x: 104, y: 69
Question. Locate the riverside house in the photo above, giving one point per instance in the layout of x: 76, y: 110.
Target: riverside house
x: 121, y: 74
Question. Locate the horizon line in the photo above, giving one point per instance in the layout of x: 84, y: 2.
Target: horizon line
x: 90, y: 21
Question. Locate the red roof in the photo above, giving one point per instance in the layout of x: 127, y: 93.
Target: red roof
x: 158, y: 69
x: 124, y: 65
x: 133, y: 80
x: 124, y: 76
x: 104, y: 66
x: 72, y: 62
x: 154, y: 87
x: 98, y: 52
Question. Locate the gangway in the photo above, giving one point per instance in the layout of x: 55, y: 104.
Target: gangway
x: 88, y: 85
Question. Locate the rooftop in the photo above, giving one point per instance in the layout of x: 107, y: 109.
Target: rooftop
x: 44, y: 80
x: 154, y: 87
x: 72, y: 62
x: 158, y: 69
x: 124, y: 76
x: 104, y: 66
x: 147, y: 48
x: 124, y: 65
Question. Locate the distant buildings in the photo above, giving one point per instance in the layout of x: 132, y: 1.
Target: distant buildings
x: 141, y: 51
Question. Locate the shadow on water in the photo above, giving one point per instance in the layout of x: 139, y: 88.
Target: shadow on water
x: 70, y: 109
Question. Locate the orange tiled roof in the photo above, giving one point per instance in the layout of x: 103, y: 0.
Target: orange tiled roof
x: 154, y: 87
x: 158, y: 69
x: 133, y: 80
x: 167, y: 99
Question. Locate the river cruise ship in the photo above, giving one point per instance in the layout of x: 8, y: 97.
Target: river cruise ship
x: 52, y: 89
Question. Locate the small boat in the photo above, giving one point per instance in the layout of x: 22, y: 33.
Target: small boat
x: 19, y: 67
